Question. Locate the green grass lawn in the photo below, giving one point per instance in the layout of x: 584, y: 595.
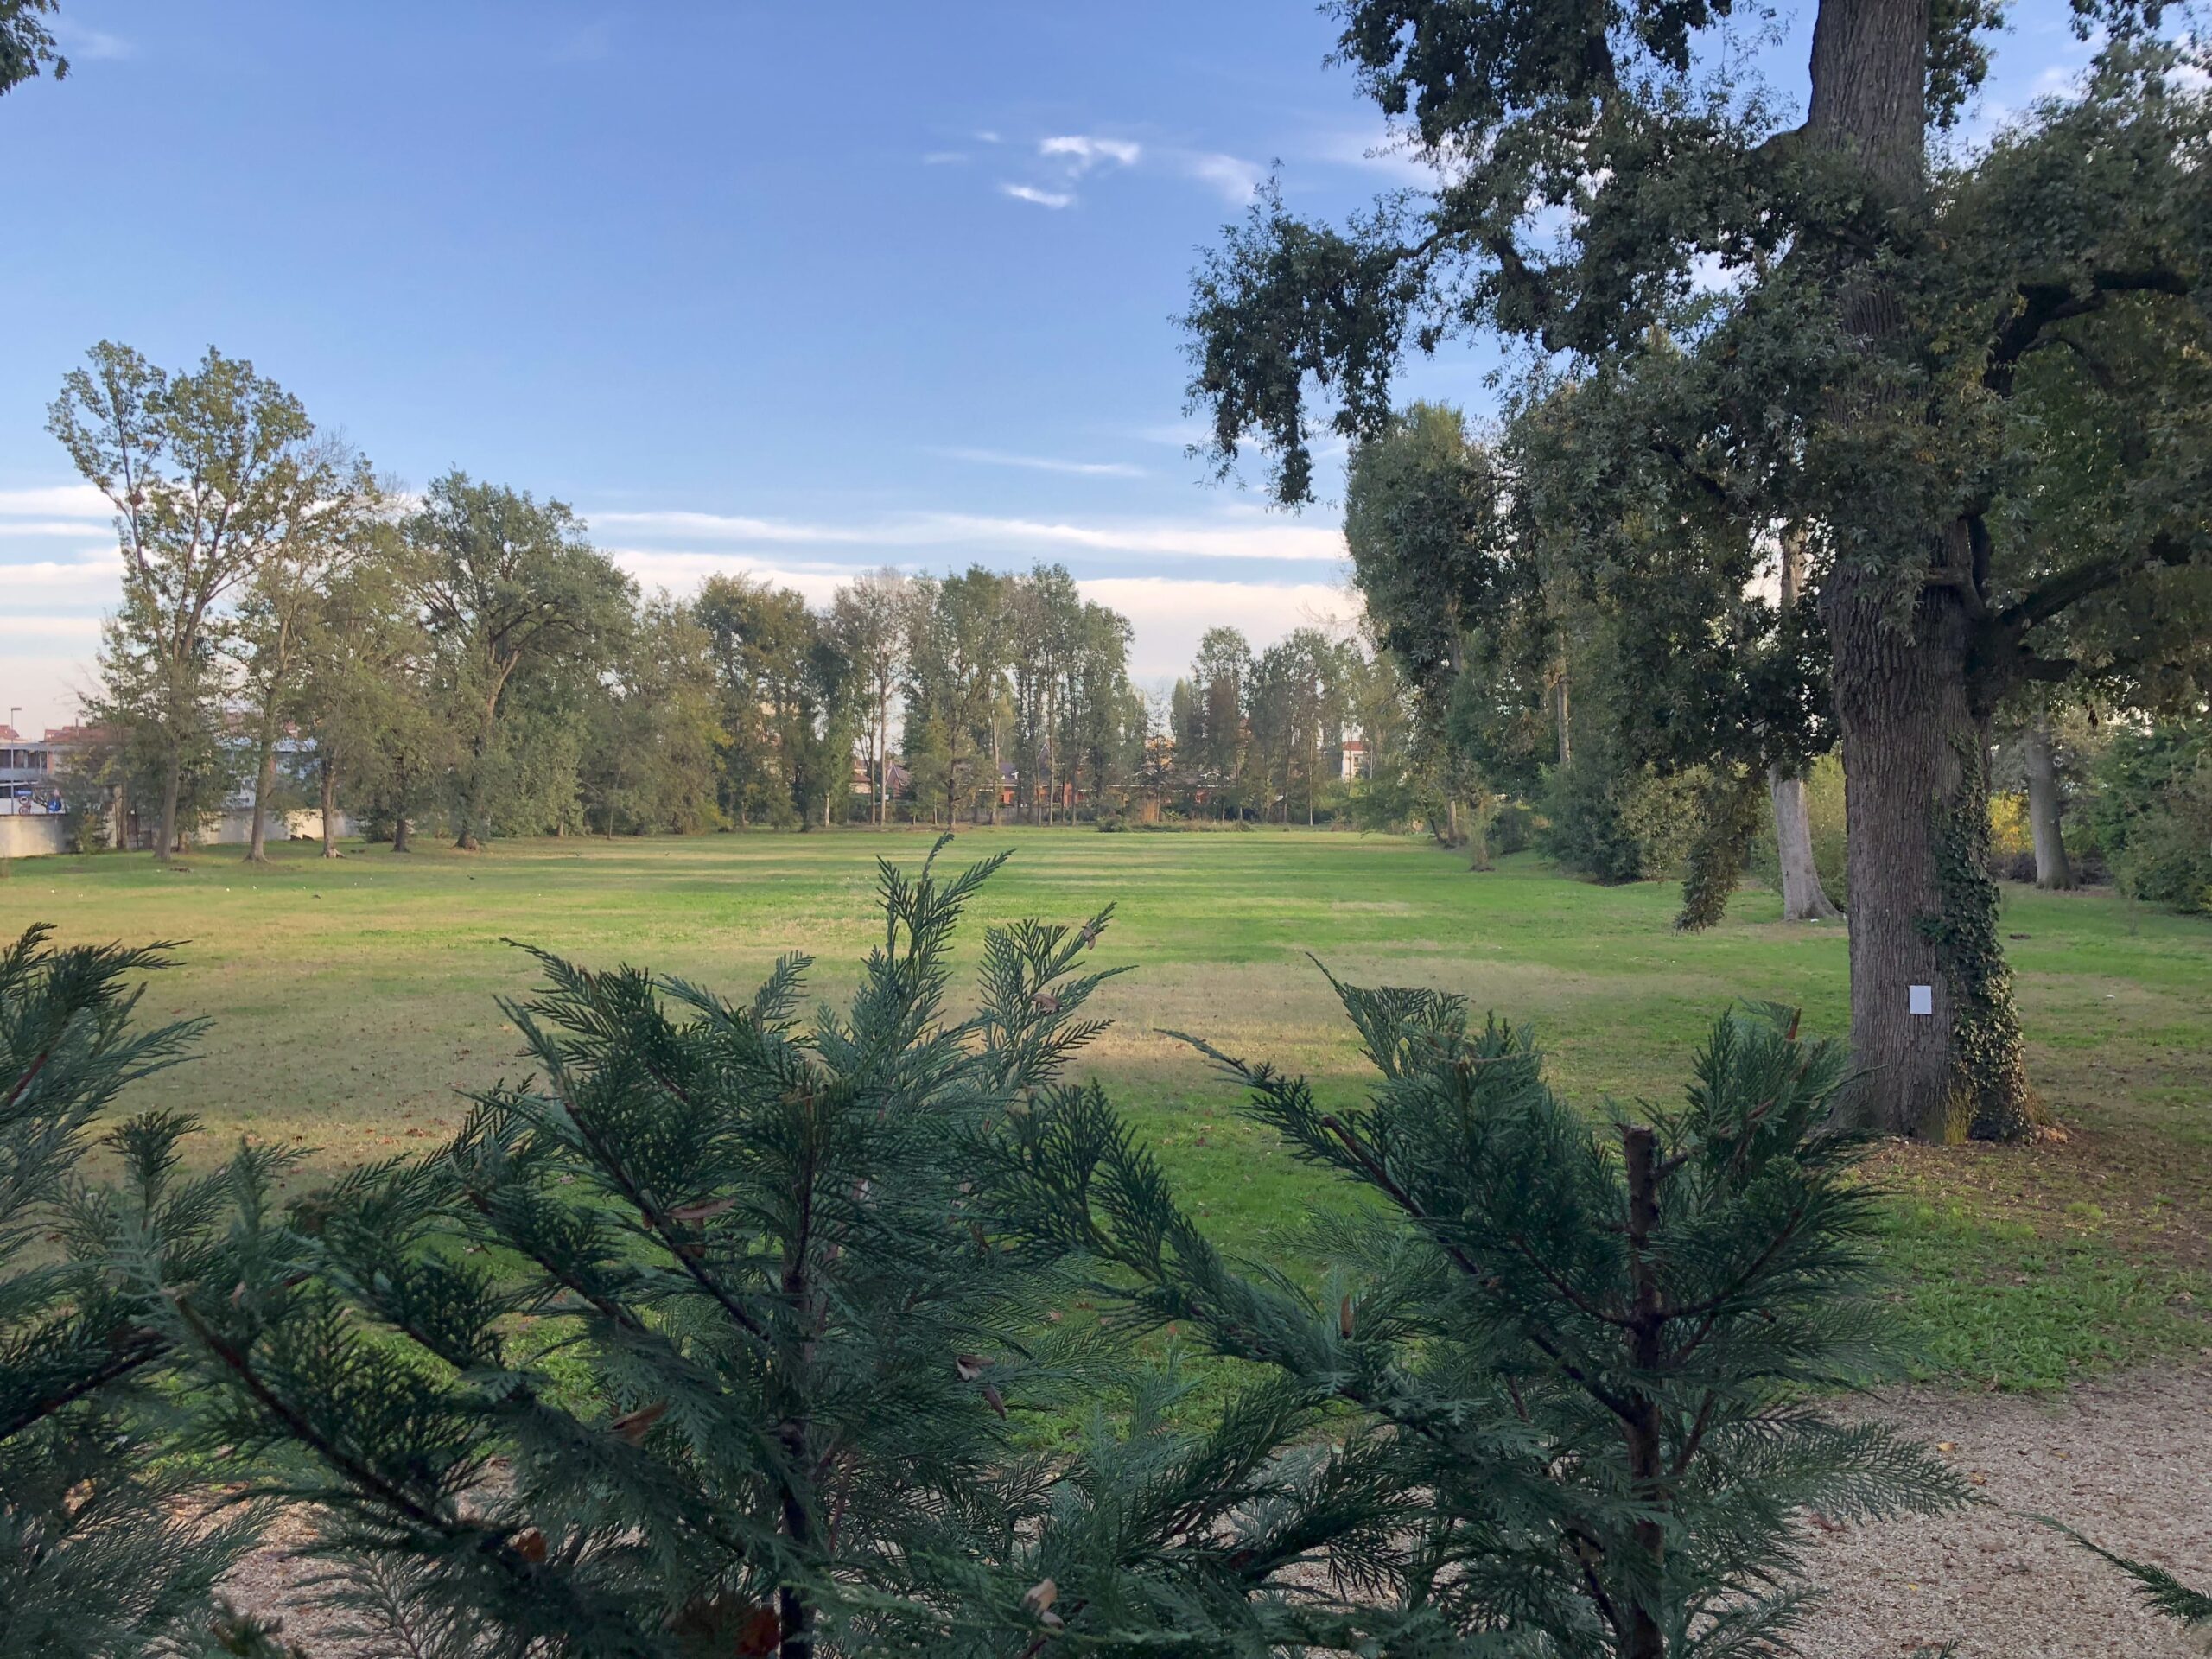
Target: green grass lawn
x: 352, y: 1000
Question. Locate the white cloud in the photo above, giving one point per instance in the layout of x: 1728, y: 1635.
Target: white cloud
x: 55, y: 627
x: 730, y: 527
x: 681, y: 573
x: 1182, y: 434
x: 91, y: 576
x: 92, y: 44
x: 1042, y: 198
x: 945, y: 158
x: 1042, y: 463
x: 987, y: 137
x: 1081, y: 153
x: 593, y: 43
x: 1169, y: 613
x: 59, y: 501
x: 1238, y: 533
x: 1261, y: 538
x: 44, y: 527
x: 1235, y: 178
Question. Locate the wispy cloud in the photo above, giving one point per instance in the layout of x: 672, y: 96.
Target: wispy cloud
x: 56, y: 501
x: 1235, y: 178
x: 89, y: 579
x: 944, y: 158
x: 1237, y: 533
x: 1380, y: 149
x: 593, y: 43
x: 89, y: 44
x: 1042, y: 198
x: 1041, y: 463
x: 1083, y: 152
x: 1169, y: 614
x: 55, y: 627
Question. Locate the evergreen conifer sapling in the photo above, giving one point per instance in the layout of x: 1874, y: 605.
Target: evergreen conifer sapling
x: 1587, y: 1347
x: 106, y: 1546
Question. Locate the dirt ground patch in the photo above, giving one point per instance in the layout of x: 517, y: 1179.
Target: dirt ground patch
x: 2126, y: 1462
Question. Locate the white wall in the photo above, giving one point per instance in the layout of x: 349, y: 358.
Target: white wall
x: 32, y: 834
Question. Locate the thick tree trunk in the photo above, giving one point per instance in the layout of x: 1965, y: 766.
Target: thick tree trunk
x: 1803, y: 898
x: 1924, y: 909
x: 2052, y: 869
x: 402, y: 833
x: 329, y: 809
x: 1915, y: 756
x: 264, y: 785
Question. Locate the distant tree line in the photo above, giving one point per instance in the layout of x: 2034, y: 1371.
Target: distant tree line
x: 293, y: 628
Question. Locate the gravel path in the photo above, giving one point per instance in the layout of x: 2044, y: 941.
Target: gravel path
x: 2128, y: 1462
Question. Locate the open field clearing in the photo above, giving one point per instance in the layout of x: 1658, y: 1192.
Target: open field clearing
x: 352, y: 1000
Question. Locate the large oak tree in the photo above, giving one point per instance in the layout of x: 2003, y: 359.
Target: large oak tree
x: 1826, y: 322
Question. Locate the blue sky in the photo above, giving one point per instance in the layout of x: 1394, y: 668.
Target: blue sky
x: 798, y: 288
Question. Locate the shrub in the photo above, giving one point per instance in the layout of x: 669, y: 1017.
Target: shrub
x: 1514, y: 829
x: 2011, y: 845
x: 1618, y: 826
x: 2153, y: 813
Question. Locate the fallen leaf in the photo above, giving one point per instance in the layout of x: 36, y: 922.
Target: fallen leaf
x: 705, y: 1209
x: 632, y: 1424
x: 762, y: 1632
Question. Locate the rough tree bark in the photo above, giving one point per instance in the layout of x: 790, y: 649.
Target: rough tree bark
x: 2052, y: 869
x: 1924, y: 909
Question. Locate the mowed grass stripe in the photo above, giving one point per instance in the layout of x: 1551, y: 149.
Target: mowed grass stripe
x: 353, y: 999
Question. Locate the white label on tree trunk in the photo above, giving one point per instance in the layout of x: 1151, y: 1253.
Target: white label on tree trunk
x: 1920, y: 999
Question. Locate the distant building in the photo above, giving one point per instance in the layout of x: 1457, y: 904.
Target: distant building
x: 31, y: 771
x: 29, y: 787
x: 1354, y: 759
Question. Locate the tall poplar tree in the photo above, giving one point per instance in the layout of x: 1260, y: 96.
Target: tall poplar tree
x: 209, y: 472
